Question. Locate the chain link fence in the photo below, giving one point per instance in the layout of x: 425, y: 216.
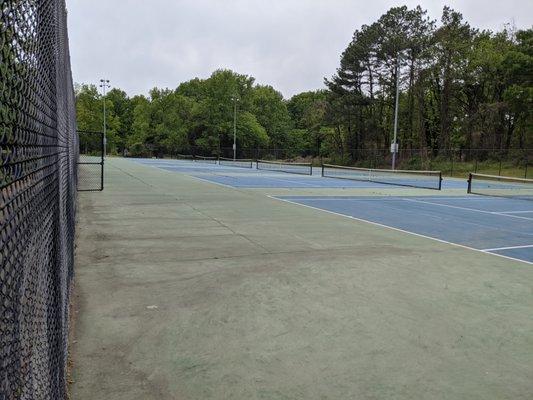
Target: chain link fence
x: 38, y: 154
x: 91, y: 161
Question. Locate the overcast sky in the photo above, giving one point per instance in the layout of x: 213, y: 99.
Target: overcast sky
x: 289, y: 44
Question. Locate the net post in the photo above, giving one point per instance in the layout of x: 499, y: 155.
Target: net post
x: 311, y: 170
x: 469, y: 189
x: 440, y: 180
x: 322, y: 170
x: 257, y: 164
x: 102, y: 176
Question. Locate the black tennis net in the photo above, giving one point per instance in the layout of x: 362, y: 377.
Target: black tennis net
x: 185, y: 157
x: 500, y: 186
x: 285, y: 166
x: 242, y: 163
x: 418, y: 179
x: 209, y: 160
x: 38, y: 178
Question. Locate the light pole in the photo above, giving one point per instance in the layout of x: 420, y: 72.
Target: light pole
x: 235, y: 100
x: 104, y: 84
x: 394, y: 145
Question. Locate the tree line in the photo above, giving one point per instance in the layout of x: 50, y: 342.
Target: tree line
x: 459, y: 88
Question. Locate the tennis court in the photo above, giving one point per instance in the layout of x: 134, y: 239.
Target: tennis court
x: 252, y: 178
x: 494, y: 225
x: 270, y: 285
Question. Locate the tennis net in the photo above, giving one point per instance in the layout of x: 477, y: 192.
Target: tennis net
x: 418, y: 179
x: 185, y: 157
x: 242, y: 163
x: 210, y: 160
x: 501, y: 186
x: 283, y: 166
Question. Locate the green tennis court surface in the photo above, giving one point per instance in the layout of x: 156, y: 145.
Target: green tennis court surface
x: 190, y: 289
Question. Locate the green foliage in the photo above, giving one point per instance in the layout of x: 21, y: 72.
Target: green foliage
x: 250, y: 133
x: 297, y: 141
x: 459, y: 88
x: 308, y: 111
x: 141, y: 120
x: 121, y: 111
x: 88, y: 108
x: 272, y: 114
x: 138, y: 150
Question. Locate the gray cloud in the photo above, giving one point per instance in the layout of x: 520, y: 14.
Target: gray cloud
x: 291, y: 45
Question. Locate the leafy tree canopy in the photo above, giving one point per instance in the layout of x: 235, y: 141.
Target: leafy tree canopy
x: 460, y: 87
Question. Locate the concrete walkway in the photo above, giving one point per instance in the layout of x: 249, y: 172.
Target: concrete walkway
x: 190, y: 290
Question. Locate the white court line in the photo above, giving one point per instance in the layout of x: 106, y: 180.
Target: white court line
x: 267, y: 176
x: 234, y: 187
x: 214, y: 183
x: 314, y: 185
x: 214, y: 173
x: 468, y: 209
x: 363, y: 197
x: 527, y: 246
x: 510, y: 215
x: 515, y: 212
x: 398, y: 229
x: 194, y: 177
x: 245, y: 186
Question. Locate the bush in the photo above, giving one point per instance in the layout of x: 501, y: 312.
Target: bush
x: 138, y: 150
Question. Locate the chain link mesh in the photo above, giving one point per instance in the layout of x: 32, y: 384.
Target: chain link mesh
x: 91, y: 161
x: 38, y: 150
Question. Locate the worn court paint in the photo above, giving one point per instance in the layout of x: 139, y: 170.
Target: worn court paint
x: 189, y: 290
x: 483, y: 223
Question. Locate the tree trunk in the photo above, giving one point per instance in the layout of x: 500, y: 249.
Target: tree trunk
x: 421, y: 118
x: 410, y: 105
x: 444, y: 138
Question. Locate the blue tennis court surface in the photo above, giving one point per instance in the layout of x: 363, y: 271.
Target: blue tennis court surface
x: 252, y: 178
x: 261, y: 179
x: 494, y: 225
